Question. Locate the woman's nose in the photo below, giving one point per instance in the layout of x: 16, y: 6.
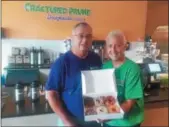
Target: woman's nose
x: 113, y: 48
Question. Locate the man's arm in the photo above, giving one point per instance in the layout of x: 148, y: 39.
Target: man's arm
x: 133, y: 89
x: 127, y: 105
x: 56, y: 105
x: 53, y: 88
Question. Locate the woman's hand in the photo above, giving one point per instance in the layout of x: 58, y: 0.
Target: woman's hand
x: 101, y: 120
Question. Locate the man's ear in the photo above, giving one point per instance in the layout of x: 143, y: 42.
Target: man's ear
x: 125, y: 46
x: 69, y: 37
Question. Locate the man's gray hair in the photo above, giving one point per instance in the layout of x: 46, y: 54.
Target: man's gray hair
x: 116, y: 34
x: 84, y: 24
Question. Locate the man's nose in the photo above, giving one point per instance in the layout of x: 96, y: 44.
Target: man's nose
x: 113, y: 48
x: 84, y: 40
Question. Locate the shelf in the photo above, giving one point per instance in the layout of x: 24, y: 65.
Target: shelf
x: 27, y: 67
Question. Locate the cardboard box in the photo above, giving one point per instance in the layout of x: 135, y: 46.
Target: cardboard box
x: 160, y: 35
x: 11, y: 59
x: 100, y: 95
x: 19, y: 59
x: 26, y: 59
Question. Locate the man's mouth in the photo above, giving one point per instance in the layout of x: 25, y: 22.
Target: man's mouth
x: 83, y: 45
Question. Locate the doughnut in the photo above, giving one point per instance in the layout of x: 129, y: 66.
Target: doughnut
x: 88, y: 102
x: 113, y: 108
x: 109, y: 100
x: 103, y: 98
x: 90, y: 111
x: 99, y: 101
x: 101, y: 110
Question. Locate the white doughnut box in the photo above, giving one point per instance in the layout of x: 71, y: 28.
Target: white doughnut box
x: 97, y: 83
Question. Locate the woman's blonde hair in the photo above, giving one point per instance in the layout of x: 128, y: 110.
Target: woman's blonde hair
x: 116, y: 34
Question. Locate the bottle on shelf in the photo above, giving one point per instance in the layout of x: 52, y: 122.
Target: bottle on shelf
x: 40, y: 57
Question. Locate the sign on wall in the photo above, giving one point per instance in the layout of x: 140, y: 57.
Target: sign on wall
x: 59, y: 13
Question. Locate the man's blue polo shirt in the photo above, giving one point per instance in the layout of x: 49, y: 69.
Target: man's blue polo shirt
x: 65, y: 77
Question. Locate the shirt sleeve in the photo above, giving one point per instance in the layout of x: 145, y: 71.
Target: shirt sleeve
x: 133, y: 86
x: 55, y: 76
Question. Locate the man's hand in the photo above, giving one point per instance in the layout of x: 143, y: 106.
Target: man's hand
x: 69, y: 123
x: 101, y: 121
x: 56, y: 105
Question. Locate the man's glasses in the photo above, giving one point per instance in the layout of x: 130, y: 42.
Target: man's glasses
x: 80, y: 36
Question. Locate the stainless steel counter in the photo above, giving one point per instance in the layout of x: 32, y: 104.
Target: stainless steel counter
x: 26, y: 108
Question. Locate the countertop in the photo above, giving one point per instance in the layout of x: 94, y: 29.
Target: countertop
x: 28, y: 108
x: 12, y: 109
x: 157, y: 96
x: 157, y: 99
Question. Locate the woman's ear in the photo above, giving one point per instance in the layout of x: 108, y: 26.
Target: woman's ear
x: 106, y: 56
x: 127, y: 46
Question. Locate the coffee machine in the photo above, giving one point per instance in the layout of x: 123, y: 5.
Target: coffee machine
x: 98, y: 47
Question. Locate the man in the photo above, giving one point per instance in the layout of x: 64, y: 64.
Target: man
x: 128, y: 79
x: 64, y: 89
